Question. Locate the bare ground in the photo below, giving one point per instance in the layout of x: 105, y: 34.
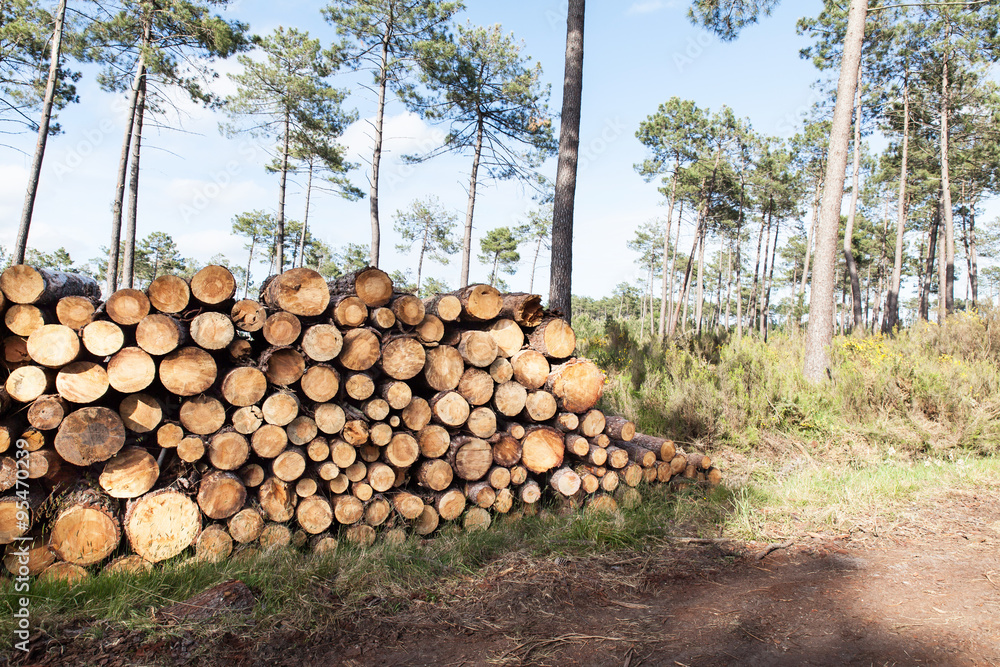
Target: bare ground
x: 922, y: 591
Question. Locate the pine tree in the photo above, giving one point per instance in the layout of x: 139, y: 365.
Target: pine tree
x: 429, y: 226
x: 499, y: 251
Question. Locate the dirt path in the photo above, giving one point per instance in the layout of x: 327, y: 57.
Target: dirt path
x: 924, y: 591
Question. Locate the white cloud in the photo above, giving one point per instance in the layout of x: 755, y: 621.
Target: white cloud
x: 403, y: 134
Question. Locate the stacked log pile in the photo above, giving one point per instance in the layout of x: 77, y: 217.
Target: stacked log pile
x: 179, y: 416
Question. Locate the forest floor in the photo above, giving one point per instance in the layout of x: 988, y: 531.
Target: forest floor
x: 921, y: 590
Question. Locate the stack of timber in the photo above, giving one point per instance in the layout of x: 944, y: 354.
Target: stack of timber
x: 180, y: 416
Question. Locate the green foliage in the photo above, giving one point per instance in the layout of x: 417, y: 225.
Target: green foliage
x: 58, y: 259
x: 430, y: 226
x: 726, y: 18
x: 433, y: 286
x: 499, y: 248
x: 159, y: 255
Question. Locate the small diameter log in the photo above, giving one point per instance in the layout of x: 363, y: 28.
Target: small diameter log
x: 280, y: 408
x: 252, y: 475
x: 15, y: 352
x: 246, y: 525
x: 269, y: 441
x: 243, y: 386
x: 23, y: 320
x: 169, y: 435
x: 160, y: 334
x: 283, y: 366
x: 349, y: 311
x: 314, y: 514
x: 617, y: 458
x: 434, y: 441
x: 186, y: 372
x: 277, y: 500
x: 380, y: 477
x: 275, y: 536
x: 29, y: 557
x: 103, y: 338
x: 577, y: 445
x: 508, y: 336
x: 191, y: 448
x: 212, y: 331
x: 75, y: 312
x: 127, y: 306
x: 449, y: 408
x: 446, y: 307
x: 221, y: 495
x: 322, y: 342
x: 66, y: 573
x: 554, y: 338
x: 540, y: 406
x: 567, y: 422
x: 408, y: 505
x: 47, y: 412
x: 663, y: 448
x: 359, y: 386
x: 470, y: 457
x: 427, y: 522
x: 525, y: 309
x: 476, y: 386
x: 355, y: 432
x: 214, y: 545
x: 382, y: 318
x: 498, y: 477
x: 619, y: 428
x: 542, y: 449
x: 129, y: 474
x: 529, y: 492
x: 161, y: 524
x: 482, y: 423
x: 323, y: 545
x: 501, y: 370
x: 637, y: 454
x: 363, y: 536
x: 318, y: 449
x: 130, y: 565
x: 595, y: 455
x: 531, y: 369
x: 663, y: 472
x: 632, y: 474
x: 480, y: 303
x: 301, y: 430
x: 248, y: 315
x: 518, y: 475
x: 592, y: 423
x: 356, y: 472
x: 329, y: 418
x: 510, y: 398
x: 377, y: 511
x: 402, y: 450
x: 53, y: 345
x: 228, y: 450
x: 589, y: 483
x: 480, y: 494
x: 504, y: 501
x: 371, y: 285
x: 342, y: 454
x: 478, y: 348
x: 375, y: 409
x: 213, y: 284
x: 85, y: 530
x: 239, y: 351
x: 361, y: 350
x: 507, y: 450
x: 565, y: 481
x: 443, y: 368
x: 403, y: 357
x: 90, y: 435
x: 699, y: 461
x: 434, y: 474
x: 397, y: 394
x: 43, y: 463
x: 577, y: 385
x: 347, y: 509
x: 25, y: 284
x: 282, y: 329
x: 301, y: 291
x: 320, y: 383
x: 169, y: 294
x: 408, y: 309
x: 430, y: 329
x: 202, y: 415
x: 417, y: 414
x: 449, y: 503
x: 713, y: 476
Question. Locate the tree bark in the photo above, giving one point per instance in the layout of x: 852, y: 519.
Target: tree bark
x: 279, y: 234
x: 21, y: 244
x: 666, y: 251
x: 891, y: 317
x: 819, y: 334
x: 946, y: 268
x: 467, y: 238
x: 560, y: 283
x: 373, y: 252
x: 305, y: 220
x: 852, y: 267
x: 128, y: 270
x: 925, y: 290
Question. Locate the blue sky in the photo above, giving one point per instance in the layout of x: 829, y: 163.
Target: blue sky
x: 637, y: 55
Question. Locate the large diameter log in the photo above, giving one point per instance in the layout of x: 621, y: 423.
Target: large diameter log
x: 508, y: 336
x: 131, y: 370
x: 449, y: 408
x: 619, y: 428
x: 510, y: 398
x: 22, y: 319
x: 212, y: 331
x: 53, y: 345
x: 221, y: 495
x: 371, y: 285
x: 127, y: 306
x: 228, y: 450
x: 243, y: 386
x: 446, y: 307
x: 277, y: 499
x: 283, y: 366
x: 531, y: 369
x: 592, y: 423
x: 361, y: 350
x: 213, y: 284
x: 187, y: 371
x: 525, y: 309
x: 169, y: 294
x: 47, y: 412
x: 443, y: 368
x: 480, y: 303
x: 85, y: 530
x: 75, y: 312
x: 202, y: 415
x: 160, y: 334
x: 161, y: 524
x: 408, y: 309
x: 320, y: 383
x: 554, y: 338
x: 322, y: 342
x: 577, y: 385
x: 103, y: 338
x: 129, y: 474
x: 403, y: 357
x: 470, y: 457
x: 478, y: 348
x: 663, y: 448
x: 90, y: 435
x: 542, y: 449
x: 25, y: 284
x: 301, y: 291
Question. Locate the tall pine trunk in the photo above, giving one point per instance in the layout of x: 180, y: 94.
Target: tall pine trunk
x: 666, y: 249
x: 534, y: 263
x: 700, y: 293
x: 892, y: 300
x: 682, y: 300
x: 673, y: 255
x: 946, y: 265
x: 752, y: 302
x: 128, y: 270
x: 373, y: 251
x: 561, y: 271
x: 925, y: 289
x: 246, y: 279
x: 301, y: 252
x: 852, y: 267
x: 470, y: 208
x: 21, y: 244
x: 765, y: 314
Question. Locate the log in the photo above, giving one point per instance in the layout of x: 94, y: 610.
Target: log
x: 44, y: 464
x: 510, y: 398
x: 396, y: 393
x: 130, y: 473
x: 228, y: 450
x: 617, y: 458
x: 592, y: 423
x: 577, y: 445
x: 430, y: 330
x: 85, y: 529
x: 417, y: 414
x: 577, y: 385
x: 699, y: 461
x: 277, y: 500
x: 355, y: 432
x: 356, y: 472
x: 75, y: 312
x: 301, y: 430
x: 565, y: 481
x: 476, y: 386
x: 449, y: 503
x: 478, y: 348
x: 221, y: 495
x: 663, y: 448
x: 408, y: 505
x: 595, y: 455
x: 187, y: 371
x: 66, y: 573
x: 619, y: 428
x: 504, y: 501
x: 433, y: 441
x: 427, y: 522
x: 269, y: 441
x: 482, y: 422
x: 29, y: 557
x: 542, y: 449
x: 252, y: 475
x: 22, y: 320
x: 567, y: 422
x: 322, y: 342
x: 161, y: 524
x: 131, y: 565
x: 160, y: 334
x: 470, y: 457
x: 23, y: 284
x: 434, y: 474
x: 169, y: 435
x: 554, y: 338
x: 127, y: 306
x: 382, y: 318
x: 361, y: 349
x: 33, y: 439
x: 370, y: 284
x: 349, y: 311
x: 508, y: 336
x: 402, y: 450
x: 214, y: 545
x: 529, y: 492
x: 243, y: 387
x: 212, y: 331
x: 280, y: 408
x: 377, y: 511
x: 531, y: 369
x: 632, y: 474
x: 275, y: 536
x: 318, y: 449
x: 501, y: 370
x: 480, y: 494
x: 443, y: 368
x: 589, y: 484
x: 283, y: 366
x: 246, y: 525
x: 375, y: 409
x: 347, y: 509
x: 239, y: 351
x: 480, y: 303
x: 637, y: 454
x: 320, y: 383
x: 191, y: 448
x: 380, y: 477
x: 202, y: 415
x: 342, y: 454
x: 90, y: 435
x: 498, y: 477
x: 408, y: 309
x: 506, y: 450
x: 518, y: 475
x: 449, y: 408
x: 403, y: 357
x: 169, y: 294
x: 15, y: 352
x: 540, y: 406
x: 329, y: 418
x: 281, y: 329
x: 301, y: 291
x: 131, y: 370
x: 525, y: 309
x: 314, y: 514
x: 362, y: 536
x: 47, y: 412
x: 323, y: 545
x: 445, y: 307
x: 102, y: 338
x: 53, y: 345
x: 213, y: 284
x: 359, y: 386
